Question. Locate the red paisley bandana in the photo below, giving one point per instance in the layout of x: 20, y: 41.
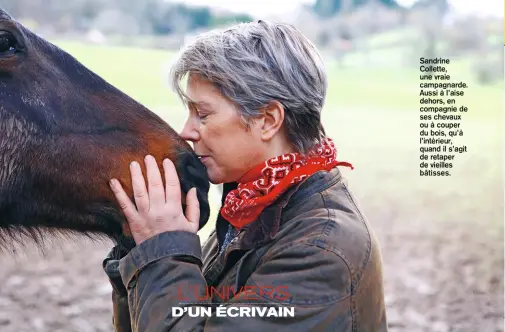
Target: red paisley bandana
x: 264, y: 183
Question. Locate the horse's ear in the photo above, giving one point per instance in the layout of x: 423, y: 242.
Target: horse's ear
x: 4, y: 14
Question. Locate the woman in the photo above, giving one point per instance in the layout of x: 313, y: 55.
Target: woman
x: 289, y: 232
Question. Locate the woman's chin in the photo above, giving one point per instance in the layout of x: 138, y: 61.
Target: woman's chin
x: 216, y: 180
x: 215, y: 177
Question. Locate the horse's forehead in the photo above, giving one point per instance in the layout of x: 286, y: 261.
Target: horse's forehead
x: 4, y: 15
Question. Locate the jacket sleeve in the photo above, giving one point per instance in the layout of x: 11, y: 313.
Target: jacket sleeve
x: 158, y: 269
x: 120, y: 311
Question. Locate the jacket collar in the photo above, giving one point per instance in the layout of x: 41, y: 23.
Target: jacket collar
x: 267, y: 225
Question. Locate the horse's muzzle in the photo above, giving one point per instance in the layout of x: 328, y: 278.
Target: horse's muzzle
x: 193, y: 173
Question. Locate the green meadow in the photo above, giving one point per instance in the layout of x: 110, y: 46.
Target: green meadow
x: 142, y: 73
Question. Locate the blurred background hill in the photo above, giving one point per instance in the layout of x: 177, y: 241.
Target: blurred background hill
x: 370, y: 31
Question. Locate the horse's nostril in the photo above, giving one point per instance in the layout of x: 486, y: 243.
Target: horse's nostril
x: 193, y: 173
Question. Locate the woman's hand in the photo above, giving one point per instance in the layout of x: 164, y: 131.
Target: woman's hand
x: 158, y: 209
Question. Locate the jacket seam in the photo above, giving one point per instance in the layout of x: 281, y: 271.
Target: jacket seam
x: 332, y: 216
x: 167, y: 254
x: 369, y: 242
x: 303, y: 305
x: 339, y: 254
x: 143, y: 255
x: 309, y: 241
x: 352, y: 299
x: 133, y: 311
x: 267, y: 254
x: 309, y: 193
x: 307, y: 305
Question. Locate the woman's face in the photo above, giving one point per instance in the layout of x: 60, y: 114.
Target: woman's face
x: 218, y: 134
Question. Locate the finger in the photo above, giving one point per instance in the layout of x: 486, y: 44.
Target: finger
x: 139, y: 187
x: 193, y: 208
x: 173, y: 186
x: 155, y: 183
x: 124, y: 201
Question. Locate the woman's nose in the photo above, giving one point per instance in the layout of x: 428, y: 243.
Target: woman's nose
x: 189, y: 132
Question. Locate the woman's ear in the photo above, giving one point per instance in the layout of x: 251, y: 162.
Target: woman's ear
x: 272, y: 120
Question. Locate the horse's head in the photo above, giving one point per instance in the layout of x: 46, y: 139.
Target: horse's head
x: 64, y: 133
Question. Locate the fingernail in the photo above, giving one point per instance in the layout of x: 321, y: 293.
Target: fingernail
x: 149, y: 157
x: 113, y: 182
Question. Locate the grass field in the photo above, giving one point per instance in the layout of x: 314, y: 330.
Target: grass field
x: 441, y: 238
x: 142, y: 74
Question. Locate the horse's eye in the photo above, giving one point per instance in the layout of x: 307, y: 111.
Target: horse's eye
x: 7, y: 44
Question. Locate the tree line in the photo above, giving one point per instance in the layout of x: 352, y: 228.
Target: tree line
x: 157, y: 17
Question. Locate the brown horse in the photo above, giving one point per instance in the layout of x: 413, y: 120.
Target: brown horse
x: 64, y: 133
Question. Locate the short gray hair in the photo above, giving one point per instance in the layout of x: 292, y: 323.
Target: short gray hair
x: 255, y: 63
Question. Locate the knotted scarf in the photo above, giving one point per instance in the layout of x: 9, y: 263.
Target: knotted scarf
x: 265, y: 182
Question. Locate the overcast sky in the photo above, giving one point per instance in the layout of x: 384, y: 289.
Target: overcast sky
x: 261, y: 8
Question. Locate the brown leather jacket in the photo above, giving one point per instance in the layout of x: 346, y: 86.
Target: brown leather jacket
x: 312, y: 250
